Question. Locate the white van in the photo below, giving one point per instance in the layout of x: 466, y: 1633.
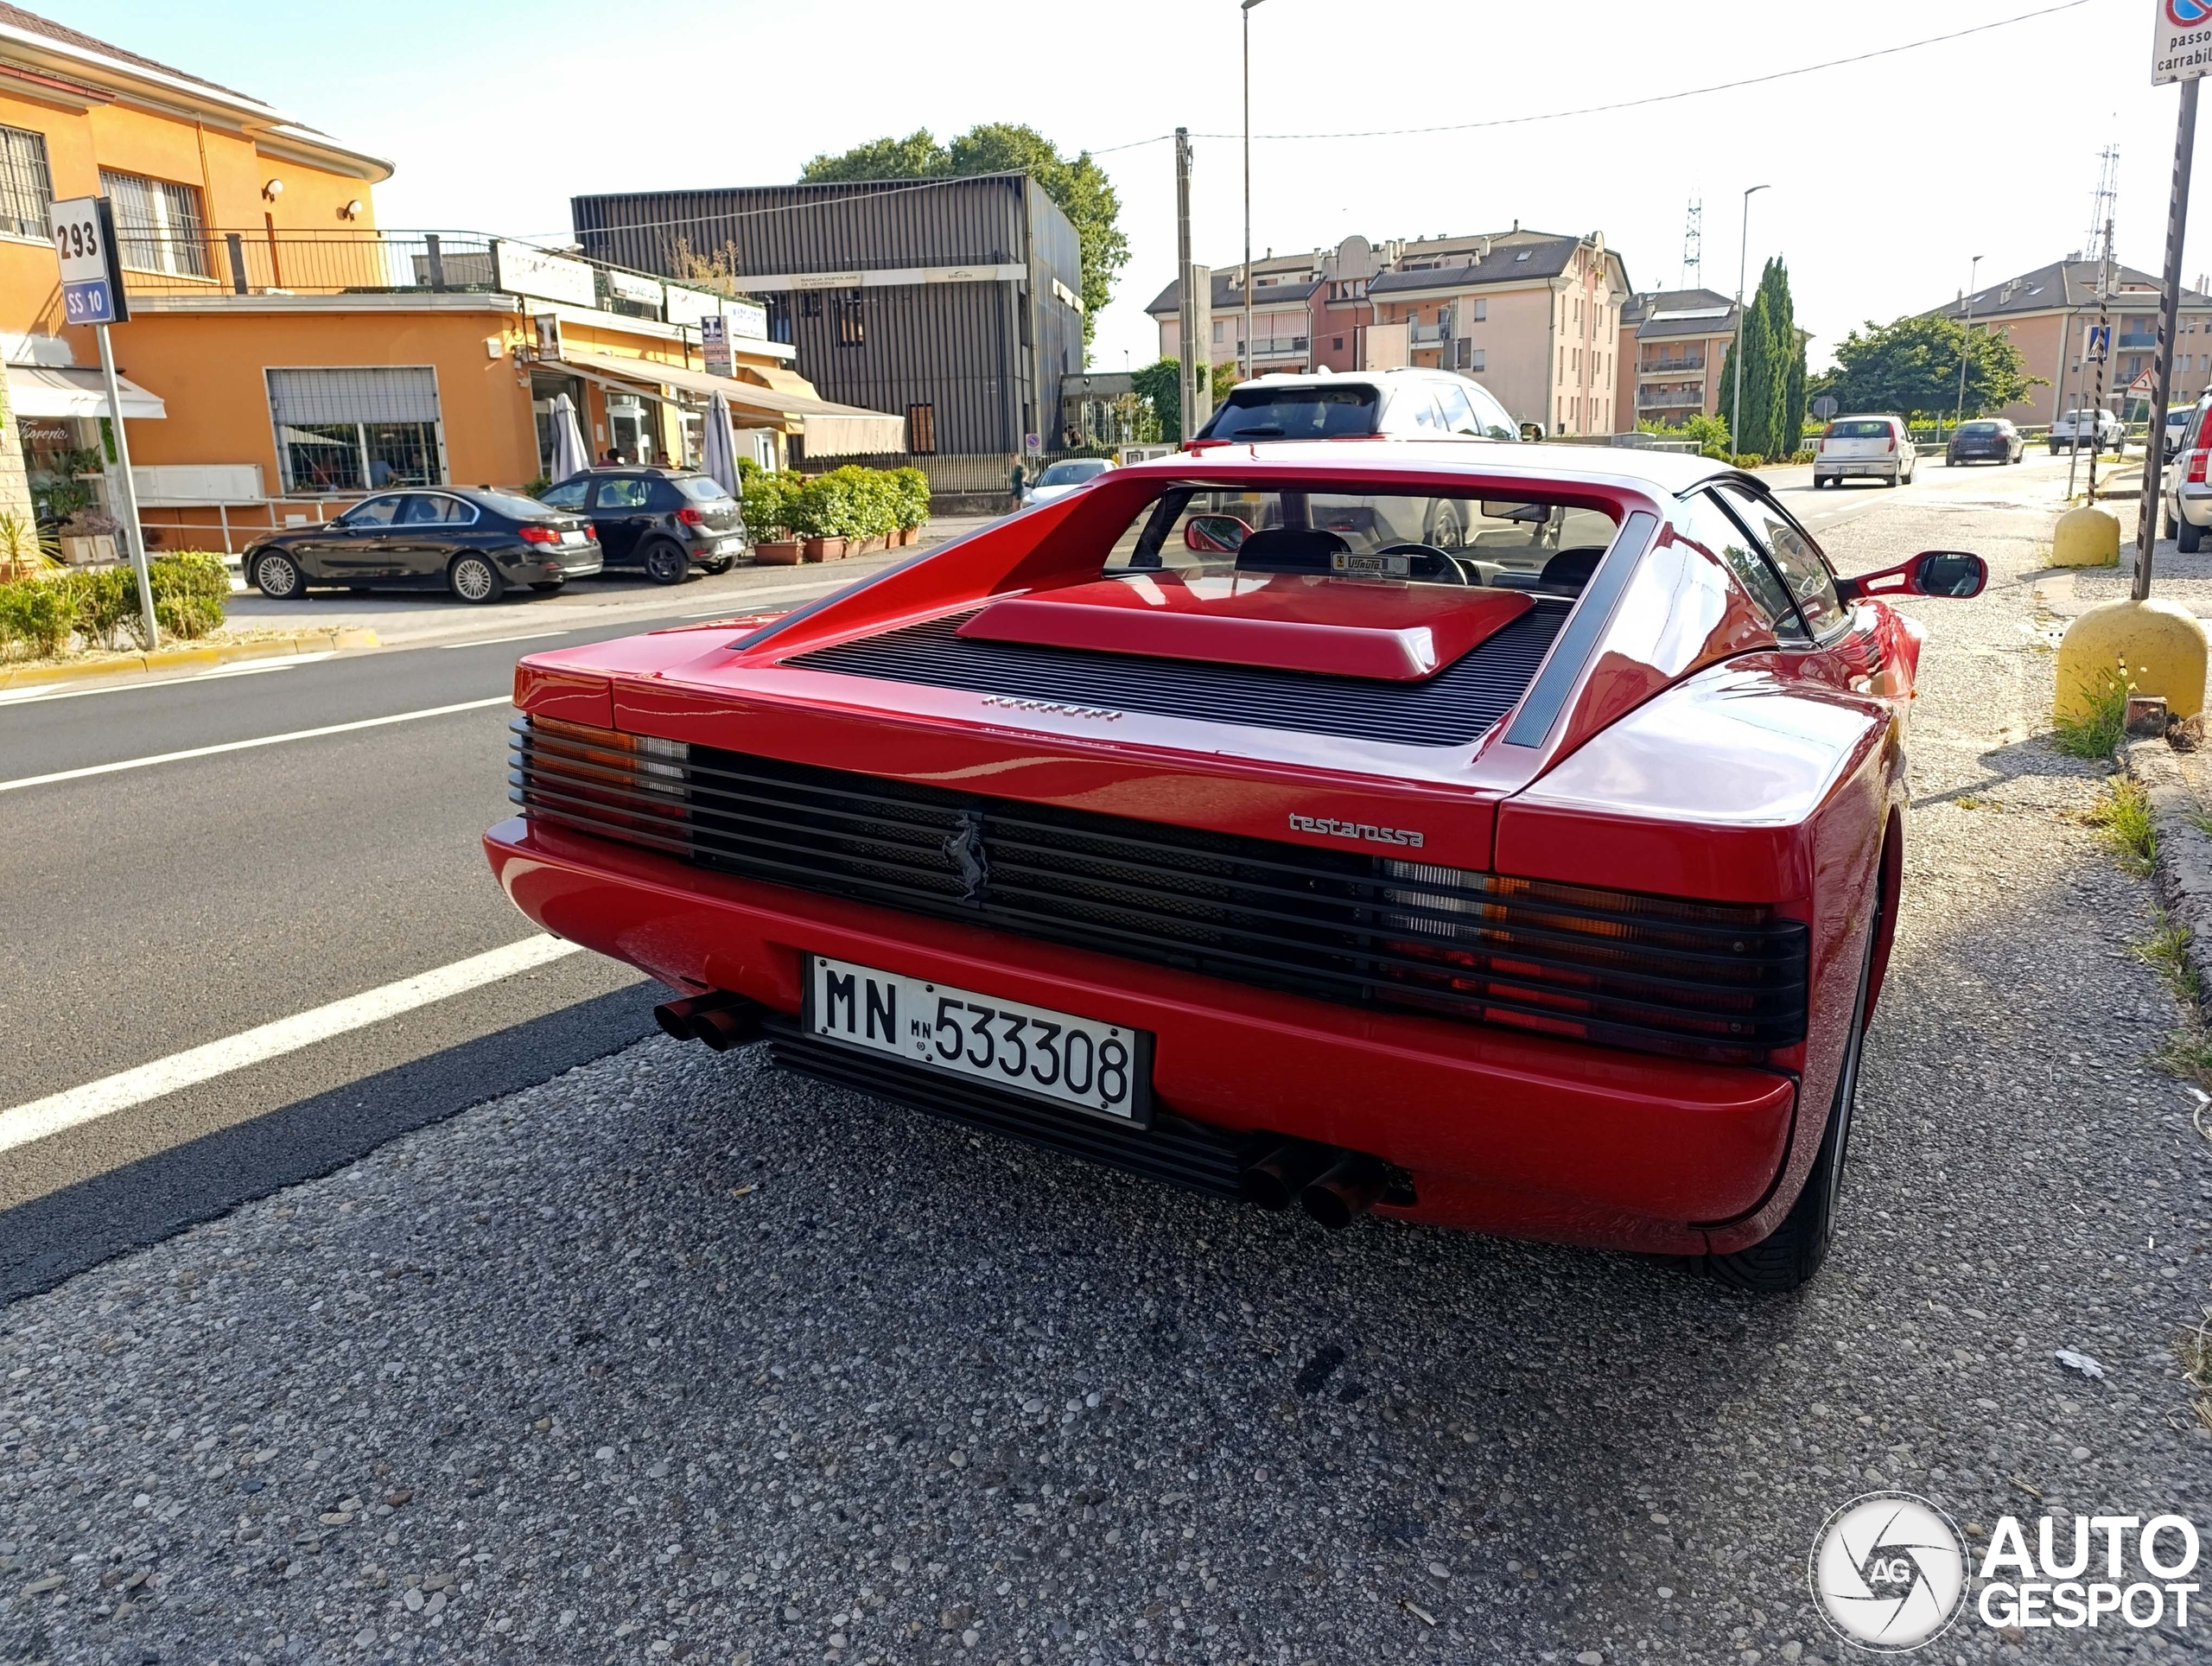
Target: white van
x: 1861, y: 447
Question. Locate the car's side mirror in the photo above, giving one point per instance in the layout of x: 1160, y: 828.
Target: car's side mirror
x: 1954, y: 573
x: 1215, y: 535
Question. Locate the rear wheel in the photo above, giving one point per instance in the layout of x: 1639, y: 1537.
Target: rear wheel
x: 1444, y: 531
x: 2188, y: 537
x: 1793, y: 1252
x: 277, y: 574
x: 666, y: 564
x: 475, y: 579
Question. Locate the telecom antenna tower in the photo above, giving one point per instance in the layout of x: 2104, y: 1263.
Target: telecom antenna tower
x: 2102, y: 206
x: 1694, y: 244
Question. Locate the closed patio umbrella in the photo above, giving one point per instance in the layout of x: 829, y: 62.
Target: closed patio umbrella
x: 570, y: 456
x: 718, y: 446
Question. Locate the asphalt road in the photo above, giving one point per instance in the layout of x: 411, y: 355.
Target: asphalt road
x: 666, y: 1356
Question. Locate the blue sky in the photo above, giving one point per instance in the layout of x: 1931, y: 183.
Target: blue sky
x: 1889, y: 176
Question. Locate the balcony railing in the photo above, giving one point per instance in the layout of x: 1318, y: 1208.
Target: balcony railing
x: 1669, y: 398
x: 1670, y: 366
x: 1278, y: 346
x: 260, y: 262
x: 1429, y: 335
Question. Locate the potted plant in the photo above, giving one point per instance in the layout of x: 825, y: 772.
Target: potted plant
x: 766, y: 509
x: 817, y: 514
x: 912, y: 489
x: 88, y: 538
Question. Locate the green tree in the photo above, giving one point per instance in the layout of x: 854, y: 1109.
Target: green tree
x: 1911, y: 366
x: 1077, y: 184
x: 1775, y: 380
x: 1160, y: 385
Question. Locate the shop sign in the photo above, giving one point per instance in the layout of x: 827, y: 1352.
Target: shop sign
x: 525, y: 270
x: 689, y: 306
x: 627, y: 286
x: 746, y: 320
x: 548, y: 326
x: 714, y: 345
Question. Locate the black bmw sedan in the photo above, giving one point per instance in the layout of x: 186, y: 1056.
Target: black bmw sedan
x: 471, y: 541
x: 1987, y: 440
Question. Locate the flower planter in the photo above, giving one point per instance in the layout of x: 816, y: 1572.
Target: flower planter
x: 910, y: 534
x: 778, y: 552
x: 825, y: 548
x: 88, y: 552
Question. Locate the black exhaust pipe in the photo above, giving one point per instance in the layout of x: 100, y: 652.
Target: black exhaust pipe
x: 1349, y: 1188
x: 1276, y: 1180
x: 720, y: 1020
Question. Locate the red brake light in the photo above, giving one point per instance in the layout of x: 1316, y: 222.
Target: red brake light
x: 533, y: 533
x: 591, y: 531
x: 690, y: 516
x: 2196, y: 460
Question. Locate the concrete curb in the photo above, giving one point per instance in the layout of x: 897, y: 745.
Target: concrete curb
x: 201, y: 656
x: 2185, y: 851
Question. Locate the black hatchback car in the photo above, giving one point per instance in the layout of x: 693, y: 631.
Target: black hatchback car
x: 476, y: 543
x: 1987, y: 440
x: 662, y: 522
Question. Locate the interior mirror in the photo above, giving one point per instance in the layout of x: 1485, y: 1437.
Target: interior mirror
x: 1954, y: 573
x: 1529, y: 512
x: 1215, y: 535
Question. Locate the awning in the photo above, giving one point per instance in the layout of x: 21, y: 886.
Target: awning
x: 829, y: 429
x: 75, y: 391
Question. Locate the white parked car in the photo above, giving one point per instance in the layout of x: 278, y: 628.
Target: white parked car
x: 1865, y: 447
x: 1069, y: 474
x: 2100, y: 430
x: 2188, y: 494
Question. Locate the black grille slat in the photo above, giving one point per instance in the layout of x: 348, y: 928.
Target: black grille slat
x: 1458, y: 706
x: 1346, y: 926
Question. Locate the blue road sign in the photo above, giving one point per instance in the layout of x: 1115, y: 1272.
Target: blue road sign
x: 2100, y: 342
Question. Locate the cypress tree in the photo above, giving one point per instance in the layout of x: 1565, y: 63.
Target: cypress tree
x: 1786, y: 391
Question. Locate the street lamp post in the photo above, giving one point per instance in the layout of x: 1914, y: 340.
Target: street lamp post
x: 1960, y: 415
x: 1743, y: 267
x: 1245, y: 9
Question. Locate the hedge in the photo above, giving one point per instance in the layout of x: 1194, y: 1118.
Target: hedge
x: 851, y: 502
x: 40, y: 616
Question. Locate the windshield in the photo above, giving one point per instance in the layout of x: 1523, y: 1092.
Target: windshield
x: 1073, y: 473
x: 701, y: 488
x: 1293, y: 413
x: 1508, y: 544
x: 1869, y: 428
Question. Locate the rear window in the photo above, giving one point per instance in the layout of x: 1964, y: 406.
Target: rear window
x: 1295, y: 413
x: 1981, y: 430
x: 1073, y: 473
x: 701, y: 488
x: 1865, y: 428
x: 513, y: 505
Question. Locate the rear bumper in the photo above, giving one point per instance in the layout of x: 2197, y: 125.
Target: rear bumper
x: 1501, y: 1133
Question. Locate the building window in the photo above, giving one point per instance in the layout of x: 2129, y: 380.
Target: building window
x: 1478, y: 358
x: 158, y: 224
x: 26, y: 184
x: 809, y: 304
x: 1482, y: 310
x: 921, y: 430
x: 356, y: 430
x: 1336, y: 344
x: 852, y: 325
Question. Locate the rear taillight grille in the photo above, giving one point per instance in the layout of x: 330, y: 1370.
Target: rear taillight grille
x: 1718, y: 980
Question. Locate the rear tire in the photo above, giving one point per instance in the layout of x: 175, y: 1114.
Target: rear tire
x: 666, y: 564
x: 2188, y: 537
x: 279, y: 577
x: 1789, y: 1257
x: 473, y: 579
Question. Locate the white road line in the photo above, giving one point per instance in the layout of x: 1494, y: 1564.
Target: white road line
x: 27, y: 696
x: 57, y: 1112
x: 248, y: 746
x: 493, y: 641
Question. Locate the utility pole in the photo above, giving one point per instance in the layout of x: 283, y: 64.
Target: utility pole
x: 1966, y: 342
x: 1743, y: 267
x: 2154, y: 443
x: 1195, y: 317
x: 1245, y: 11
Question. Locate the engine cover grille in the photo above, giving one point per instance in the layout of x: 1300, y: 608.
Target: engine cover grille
x: 1456, y: 706
x: 1718, y: 981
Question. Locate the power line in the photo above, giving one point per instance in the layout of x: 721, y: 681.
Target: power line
x: 1631, y: 104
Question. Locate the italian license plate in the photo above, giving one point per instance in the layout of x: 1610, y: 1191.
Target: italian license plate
x: 572, y: 537
x: 1077, y: 1063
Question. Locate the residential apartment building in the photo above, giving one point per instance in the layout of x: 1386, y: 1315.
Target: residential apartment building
x: 1674, y: 349
x: 284, y: 354
x: 2049, y: 312
x: 1533, y: 316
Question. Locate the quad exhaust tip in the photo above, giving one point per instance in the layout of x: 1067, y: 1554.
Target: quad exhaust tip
x: 720, y: 1020
x: 1330, y: 1184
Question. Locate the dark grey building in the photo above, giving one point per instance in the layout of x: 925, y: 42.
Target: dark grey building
x: 957, y: 302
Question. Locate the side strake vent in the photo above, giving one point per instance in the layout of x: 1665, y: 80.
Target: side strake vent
x: 1456, y: 706
x: 1709, y: 980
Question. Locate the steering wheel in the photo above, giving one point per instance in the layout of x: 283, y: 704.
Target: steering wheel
x: 1429, y: 562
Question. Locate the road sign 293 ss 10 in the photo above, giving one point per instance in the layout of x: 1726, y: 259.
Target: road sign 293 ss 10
x: 2181, y: 41
x: 92, y: 276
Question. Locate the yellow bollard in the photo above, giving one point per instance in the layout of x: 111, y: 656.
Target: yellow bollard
x: 2149, y: 647
x: 2085, y: 537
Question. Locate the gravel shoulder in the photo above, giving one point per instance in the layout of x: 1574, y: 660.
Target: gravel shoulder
x: 675, y: 1358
